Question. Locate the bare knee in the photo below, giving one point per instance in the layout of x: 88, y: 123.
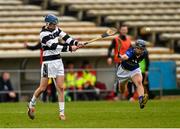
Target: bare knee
x: 60, y: 87
x: 137, y: 79
x: 139, y: 83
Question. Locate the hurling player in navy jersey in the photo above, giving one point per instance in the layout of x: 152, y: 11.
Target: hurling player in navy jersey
x: 129, y: 69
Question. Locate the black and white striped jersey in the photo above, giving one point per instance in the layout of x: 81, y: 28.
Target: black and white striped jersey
x: 50, y: 41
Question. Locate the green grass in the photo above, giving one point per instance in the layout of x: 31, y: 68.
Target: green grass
x: 157, y: 113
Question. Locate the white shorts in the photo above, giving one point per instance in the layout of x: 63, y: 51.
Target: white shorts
x: 124, y: 75
x: 52, y: 69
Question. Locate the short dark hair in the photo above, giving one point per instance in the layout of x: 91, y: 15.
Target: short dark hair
x: 3, y: 73
x: 122, y: 25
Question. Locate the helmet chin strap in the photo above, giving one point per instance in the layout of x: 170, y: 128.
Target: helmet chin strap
x: 47, y: 23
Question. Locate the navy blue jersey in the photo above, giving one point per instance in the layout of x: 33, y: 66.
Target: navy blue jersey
x: 133, y: 62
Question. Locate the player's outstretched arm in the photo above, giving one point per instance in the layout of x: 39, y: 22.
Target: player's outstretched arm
x: 35, y: 47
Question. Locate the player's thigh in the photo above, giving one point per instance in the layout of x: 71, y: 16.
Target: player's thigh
x: 60, y: 81
x: 137, y: 79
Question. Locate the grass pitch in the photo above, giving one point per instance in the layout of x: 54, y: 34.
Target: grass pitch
x: 109, y: 114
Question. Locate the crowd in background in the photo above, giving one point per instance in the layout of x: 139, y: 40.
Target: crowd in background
x: 80, y: 84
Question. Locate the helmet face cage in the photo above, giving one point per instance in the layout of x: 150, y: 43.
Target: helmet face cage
x: 51, y: 19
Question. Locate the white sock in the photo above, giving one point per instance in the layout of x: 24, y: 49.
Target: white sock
x: 32, y: 102
x: 61, y: 108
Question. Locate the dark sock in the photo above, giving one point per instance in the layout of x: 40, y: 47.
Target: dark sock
x: 140, y: 98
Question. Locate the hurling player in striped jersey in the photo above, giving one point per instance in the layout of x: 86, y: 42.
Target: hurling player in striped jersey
x: 52, y: 65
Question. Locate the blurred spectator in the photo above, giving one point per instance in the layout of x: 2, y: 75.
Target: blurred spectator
x: 70, y: 80
x: 119, y: 44
x: 132, y: 94
x: 177, y: 46
x: 89, y: 81
x: 81, y: 95
x: 144, y: 65
x: 6, y: 87
x: 74, y: 83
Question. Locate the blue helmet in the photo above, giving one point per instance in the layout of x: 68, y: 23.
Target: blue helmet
x: 51, y: 18
x: 140, y: 43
